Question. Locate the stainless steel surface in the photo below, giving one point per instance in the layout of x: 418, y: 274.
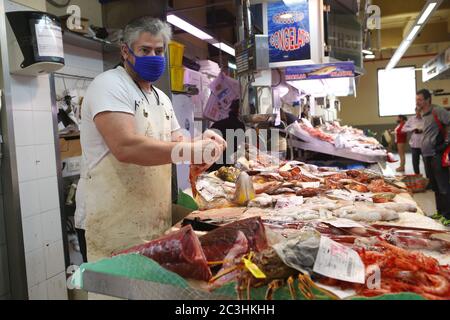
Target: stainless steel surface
x: 327, y: 148
x: 59, y: 169
x: 258, y: 118
x: 261, y: 52
x: 437, y: 68
x: 133, y: 289
x: 13, y: 217
x: 95, y: 44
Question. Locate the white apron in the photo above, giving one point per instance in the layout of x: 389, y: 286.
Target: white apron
x: 127, y: 204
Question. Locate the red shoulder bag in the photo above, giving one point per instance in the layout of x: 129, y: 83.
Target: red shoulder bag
x: 446, y: 155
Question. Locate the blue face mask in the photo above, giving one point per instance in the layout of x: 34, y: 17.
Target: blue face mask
x: 148, y: 68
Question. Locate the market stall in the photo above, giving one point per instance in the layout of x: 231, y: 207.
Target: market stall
x: 270, y: 228
x: 286, y: 230
x: 333, y: 139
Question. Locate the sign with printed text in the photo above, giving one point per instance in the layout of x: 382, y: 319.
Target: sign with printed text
x: 49, y: 39
x: 321, y: 71
x: 337, y: 261
x: 289, y: 31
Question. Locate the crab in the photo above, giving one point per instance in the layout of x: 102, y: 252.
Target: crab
x: 276, y: 276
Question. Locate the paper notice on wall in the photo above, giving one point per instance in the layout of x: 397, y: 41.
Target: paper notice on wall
x: 339, y: 262
x: 49, y: 40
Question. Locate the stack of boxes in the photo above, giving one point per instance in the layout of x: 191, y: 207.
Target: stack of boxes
x: 176, y: 51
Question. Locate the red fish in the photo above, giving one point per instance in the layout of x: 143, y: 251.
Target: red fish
x: 179, y: 251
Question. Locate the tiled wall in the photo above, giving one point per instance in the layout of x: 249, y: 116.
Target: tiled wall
x: 4, y: 274
x: 84, y: 63
x: 37, y: 173
x: 81, y: 61
x: 38, y: 187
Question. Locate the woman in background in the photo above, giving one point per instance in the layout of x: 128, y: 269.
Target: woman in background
x: 400, y: 140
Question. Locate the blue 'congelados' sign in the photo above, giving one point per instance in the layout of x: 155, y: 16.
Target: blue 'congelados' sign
x: 321, y: 71
x: 288, y: 26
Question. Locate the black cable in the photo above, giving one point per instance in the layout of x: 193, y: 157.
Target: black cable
x: 58, y: 5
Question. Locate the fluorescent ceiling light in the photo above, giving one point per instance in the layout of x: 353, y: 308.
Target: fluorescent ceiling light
x: 367, y: 51
x: 186, y: 26
x: 224, y: 47
x: 231, y: 65
x: 398, y: 54
x: 427, y: 12
x: 196, y: 32
x: 369, y: 56
x: 413, y: 33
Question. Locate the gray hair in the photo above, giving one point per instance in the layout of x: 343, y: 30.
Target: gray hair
x: 152, y: 25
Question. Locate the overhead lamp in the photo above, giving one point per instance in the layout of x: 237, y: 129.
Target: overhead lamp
x: 413, y: 33
x: 232, y: 65
x: 186, y: 26
x: 196, y: 32
x: 365, y: 51
x: 369, y: 56
x: 224, y: 47
x: 422, y: 18
x: 398, y: 54
x: 427, y: 12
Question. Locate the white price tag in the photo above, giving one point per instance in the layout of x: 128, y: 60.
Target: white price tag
x: 339, y: 262
x: 344, y: 223
x: 314, y: 184
x: 49, y: 39
x: 202, y: 188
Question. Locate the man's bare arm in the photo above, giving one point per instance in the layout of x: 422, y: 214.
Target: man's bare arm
x: 119, y: 132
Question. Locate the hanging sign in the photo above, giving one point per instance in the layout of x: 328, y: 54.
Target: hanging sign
x: 321, y: 71
x: 289, y: 31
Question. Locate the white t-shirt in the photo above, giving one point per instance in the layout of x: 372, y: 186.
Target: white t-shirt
x: 113, y: 90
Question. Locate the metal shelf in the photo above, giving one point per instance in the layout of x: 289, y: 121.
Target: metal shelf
x: 69, y: 136
x: 87, y: 42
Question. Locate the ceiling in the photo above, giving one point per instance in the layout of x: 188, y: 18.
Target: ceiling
x: 216, y: 16
x: 397, y: 17
x: 219, y: 17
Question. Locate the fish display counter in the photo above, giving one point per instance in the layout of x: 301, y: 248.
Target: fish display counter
x: 336, y: 140
x: 266, y: 229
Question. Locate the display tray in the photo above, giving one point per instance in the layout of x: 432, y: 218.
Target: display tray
x: 328, y: 148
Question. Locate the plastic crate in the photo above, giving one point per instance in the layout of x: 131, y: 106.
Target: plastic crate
x: 177, y: 78
x: 176, y: 52
x: 415, y: 182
